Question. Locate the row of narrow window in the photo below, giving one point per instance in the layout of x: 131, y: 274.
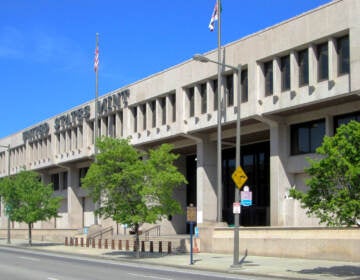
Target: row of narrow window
x: 154, y: 112
x: 322, y: 57
x: 229, y: 93
x: 59, y: 181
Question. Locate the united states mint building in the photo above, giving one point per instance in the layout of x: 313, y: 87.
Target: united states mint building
x: 299, y: 81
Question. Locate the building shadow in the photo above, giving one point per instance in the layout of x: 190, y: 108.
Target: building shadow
x: 338, y: 271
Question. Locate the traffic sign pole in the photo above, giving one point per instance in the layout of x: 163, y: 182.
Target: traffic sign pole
x: 239, y: 177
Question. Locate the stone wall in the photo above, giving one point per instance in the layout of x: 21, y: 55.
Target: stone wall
x: 51, y: 235
x: 310, y: 243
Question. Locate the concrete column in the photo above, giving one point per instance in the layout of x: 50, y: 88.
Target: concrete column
x: 210, y: 98
x: 81, y: 137
x: 148, y: 116
x: 103, y: 126
x: 333, y: 59
x: 158, y: 113
x: 169, y: 109
x: 206, y: 181
x: 75, y: 209
x: 197, y: 100
x: 313, y: 70
x: 119, y: 125
x: 354, y: 53
x: 141, y: 116
x: 110, y: 125
x: 126, y: 122
x: 276, y: 76
x: 294, y: 71
x: 280, y: 180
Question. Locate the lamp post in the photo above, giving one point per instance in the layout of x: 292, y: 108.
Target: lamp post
x: 8, y: 221
x: 201, y: 58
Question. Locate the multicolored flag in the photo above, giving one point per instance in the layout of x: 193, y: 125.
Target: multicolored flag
x: 214, y: 17
x: 96, y: 59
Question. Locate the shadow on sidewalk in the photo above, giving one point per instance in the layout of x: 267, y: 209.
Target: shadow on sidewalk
x: 130, y: 254
x: 338, y: 271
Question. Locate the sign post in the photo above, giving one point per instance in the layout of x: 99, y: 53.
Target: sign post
x: 191, y: 219
x: 239, y: 177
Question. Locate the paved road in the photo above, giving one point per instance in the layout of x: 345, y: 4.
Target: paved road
x: 19, y: 264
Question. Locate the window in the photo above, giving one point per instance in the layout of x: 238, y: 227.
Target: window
x: 215, y: 89
x: 172, y: 98
x: 203, y: 98
x: 121, y: 123
x: 153, y: 113
x: 65, y: 180
x: 229, y: 90
x: 191, y: 102
x: 244, y: 85
x: 162, y: 102
x: 323, y: 61
x: 112, y: 129
x: 143, y: 112
x: 134, y: 112
x: 268, y: 75
x: 82, y: 173
x: 344, y: 119
x: 285, y: 72
x: 55, y: 181
x: 343, y: 51
x: 303, y: 62
x: 306, y: 137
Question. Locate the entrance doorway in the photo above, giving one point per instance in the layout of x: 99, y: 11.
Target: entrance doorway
x: 255, y: 161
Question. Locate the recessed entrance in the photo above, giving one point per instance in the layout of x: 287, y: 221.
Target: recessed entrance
x: 255, y: 161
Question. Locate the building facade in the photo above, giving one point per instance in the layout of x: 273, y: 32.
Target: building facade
x: 298, y: 83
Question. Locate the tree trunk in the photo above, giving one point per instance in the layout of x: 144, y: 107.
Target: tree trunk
x: 137, y: 241
x: 30, y: 241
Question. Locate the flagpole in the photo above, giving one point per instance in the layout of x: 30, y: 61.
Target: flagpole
x: 96, y: 68
x: 219, y: 113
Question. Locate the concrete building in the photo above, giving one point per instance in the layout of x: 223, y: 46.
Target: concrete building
x: 299, y: 83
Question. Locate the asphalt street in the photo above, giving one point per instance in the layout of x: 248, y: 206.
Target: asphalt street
x: 18, y: 264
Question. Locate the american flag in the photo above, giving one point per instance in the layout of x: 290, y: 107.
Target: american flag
x: 214, y: 17
x: 96, y: 59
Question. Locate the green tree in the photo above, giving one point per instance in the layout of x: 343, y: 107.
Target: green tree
x: 334, y: 184
x: 133, y: 187
x: 28, y: 200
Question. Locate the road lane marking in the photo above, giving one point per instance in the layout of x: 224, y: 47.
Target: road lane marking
x: 149, y: 276
x: 30, y: 259
x: 50, y: 278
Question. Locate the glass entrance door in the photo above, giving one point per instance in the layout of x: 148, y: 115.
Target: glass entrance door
x: 255, y: 161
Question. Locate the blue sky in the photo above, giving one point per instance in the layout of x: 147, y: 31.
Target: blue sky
x: 47, y: 46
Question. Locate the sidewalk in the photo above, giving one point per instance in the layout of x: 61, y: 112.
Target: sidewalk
x: 279, y: 268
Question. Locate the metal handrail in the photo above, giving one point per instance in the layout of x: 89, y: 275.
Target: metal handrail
x: 154, y: 228
x: 101, y: 232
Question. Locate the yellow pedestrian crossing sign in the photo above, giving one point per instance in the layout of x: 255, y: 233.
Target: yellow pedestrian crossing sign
x: 239, y: 177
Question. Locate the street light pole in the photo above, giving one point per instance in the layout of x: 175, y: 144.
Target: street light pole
x: 201, y: 58
x: 237, y: 164
x: 8, y: 221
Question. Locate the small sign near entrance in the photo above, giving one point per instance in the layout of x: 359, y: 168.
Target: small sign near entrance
x: 236, y: 208
x: 191, y: 213
x: 239, y: 177
x: 246, y: 197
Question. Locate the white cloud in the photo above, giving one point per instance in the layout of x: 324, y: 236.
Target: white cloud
x: 41, y: 47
